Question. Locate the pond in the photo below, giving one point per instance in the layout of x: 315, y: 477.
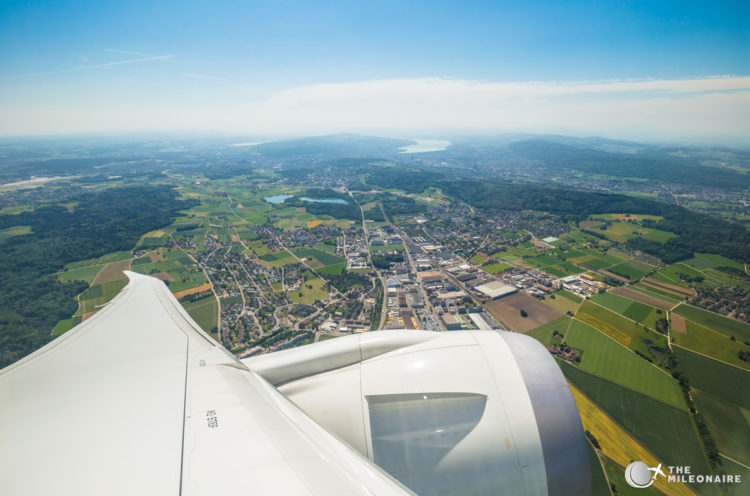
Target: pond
x: 277, y: 198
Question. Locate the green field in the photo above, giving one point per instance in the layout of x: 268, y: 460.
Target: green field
x: 593, y: 257
x: 478, y: 259
x: 554, y: 264
x: 560, y: 302
x: 111, y: 257
x: 323, y: 257
x: 518, y: 251
x: 10, y: 232
x: 96, y: 296
x: 709, y: 261
x: 711, y: 343
x: 656, y: 293
x: 621, y: 329
x: 664, y: 430
x: 543, y: 333
x: 325, y: 247
x: 593, y: 263
x: 140, y: 261
x: 612, y: 301
x: 281, y: 257
x: 571, y: 254
x: 152, y: 241
x: 674, y: 274
x: 571, y: 296
x: 616, y: 476
x: 643, y: 314
x: 623, y: 231
x: 230, y: 300
x: 184, y: 274
x: 715, y: 278
x: 311, y: 294
x: 83, y: 274
x: 658, y: 235
x: 65, y: 325
x: 724, y: 381
x: 579, y: 238
x: 258, y: 248
x: 632, y: 269
x: 205, y: 312
x: 718, y: 323
x: 495, y: 268
x: 605, y: 358
x: 507, y: 258
x: 727, y: 424
x: 634, y: 310
x: 728, y: 467
x: 598, y: 480
x: 334, y: 269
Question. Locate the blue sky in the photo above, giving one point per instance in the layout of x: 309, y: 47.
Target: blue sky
x: 278, y: 67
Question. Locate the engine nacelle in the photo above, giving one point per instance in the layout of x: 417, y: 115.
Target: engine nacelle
x: 473, y: 412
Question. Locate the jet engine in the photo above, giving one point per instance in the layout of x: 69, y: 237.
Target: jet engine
x: 470, y: 412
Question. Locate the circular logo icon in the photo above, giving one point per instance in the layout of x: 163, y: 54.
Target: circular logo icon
x: 638, y: 475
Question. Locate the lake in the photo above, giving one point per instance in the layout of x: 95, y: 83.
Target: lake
x: 340, y: 201
x: 425, y: 145
x: 277, y: 199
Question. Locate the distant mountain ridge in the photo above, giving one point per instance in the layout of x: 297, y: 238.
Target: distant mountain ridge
x: 682, y: 165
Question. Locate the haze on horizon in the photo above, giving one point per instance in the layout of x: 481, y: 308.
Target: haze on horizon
x: 676, y: 71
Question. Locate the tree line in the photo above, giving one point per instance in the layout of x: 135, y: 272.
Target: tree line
x: 32, y: 300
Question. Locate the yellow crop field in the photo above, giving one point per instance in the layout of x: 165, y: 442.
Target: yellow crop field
x: 605, y: 327
x: 617, y: 444
x: 313, y: 223
x: 197, y: 289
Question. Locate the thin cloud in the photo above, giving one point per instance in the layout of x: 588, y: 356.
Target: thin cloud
x: 471, y: 91
x: 710, y: 106
x: 87, y: 67
x: 653, y: 109
x: 122, y: 62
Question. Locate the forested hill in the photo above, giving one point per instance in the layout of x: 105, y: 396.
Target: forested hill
x: 648, y: 164
x: 31, y: 298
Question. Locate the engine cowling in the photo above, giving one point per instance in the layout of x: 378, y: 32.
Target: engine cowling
x: 470, y: 412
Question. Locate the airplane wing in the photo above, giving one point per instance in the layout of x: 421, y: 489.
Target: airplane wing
x: 139, y: 400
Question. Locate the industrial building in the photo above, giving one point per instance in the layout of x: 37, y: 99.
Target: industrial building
x: 496, y: 289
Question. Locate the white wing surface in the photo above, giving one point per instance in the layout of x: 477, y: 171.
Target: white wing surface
x: 139, y: 400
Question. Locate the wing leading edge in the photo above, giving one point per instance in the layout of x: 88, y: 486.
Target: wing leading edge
x: 139, y: 400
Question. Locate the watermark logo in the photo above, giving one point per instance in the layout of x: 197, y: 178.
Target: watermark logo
x: 640, y: 476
